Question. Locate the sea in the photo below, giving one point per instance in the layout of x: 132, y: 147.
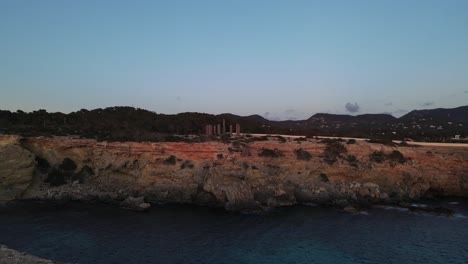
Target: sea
x: 96, y: 233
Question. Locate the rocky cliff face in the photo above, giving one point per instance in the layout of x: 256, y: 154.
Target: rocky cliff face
x: 232, y: 175
x: 17, y: 166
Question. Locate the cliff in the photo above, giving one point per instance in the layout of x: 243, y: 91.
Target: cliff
x: 240, y: 174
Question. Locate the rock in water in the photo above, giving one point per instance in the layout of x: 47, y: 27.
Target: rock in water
x: 9, y: 256
x: 135, y: 203
x: 350, y: 209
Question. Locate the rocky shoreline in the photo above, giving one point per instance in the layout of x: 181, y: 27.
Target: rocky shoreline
x: 10, y: 256
x: 242, y: 174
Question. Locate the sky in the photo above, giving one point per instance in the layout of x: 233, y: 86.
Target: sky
x: 282, y: 59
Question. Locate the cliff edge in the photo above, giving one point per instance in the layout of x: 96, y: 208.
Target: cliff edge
x: 239, y: 174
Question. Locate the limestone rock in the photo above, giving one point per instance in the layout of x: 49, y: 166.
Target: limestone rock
x: 9, y: 256
x: 16, y: 170
x: 370, y: 185
x: 350, y: 209
x: 135, y: 204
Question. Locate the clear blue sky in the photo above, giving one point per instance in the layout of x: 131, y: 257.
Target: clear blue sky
x: 281, y: 59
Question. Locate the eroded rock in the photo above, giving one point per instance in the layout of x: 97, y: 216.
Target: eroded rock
x: 17, y: 166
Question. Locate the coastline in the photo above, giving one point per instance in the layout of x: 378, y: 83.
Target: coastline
x: 10, y: 256
x: 231, y: 174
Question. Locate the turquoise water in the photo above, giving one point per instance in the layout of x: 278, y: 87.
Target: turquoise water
x: 81, y: 233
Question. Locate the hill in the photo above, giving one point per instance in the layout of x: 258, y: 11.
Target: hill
x: 135, y: 124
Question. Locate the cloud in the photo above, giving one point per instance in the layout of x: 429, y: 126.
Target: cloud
x: 178, y: 98
x: 465, y: 91
x: 389, y: 104
x: 352, y: 108
x: 427, y: 104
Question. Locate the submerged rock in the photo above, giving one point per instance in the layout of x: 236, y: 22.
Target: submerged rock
x: 350, y: 209
x: 9, y: 256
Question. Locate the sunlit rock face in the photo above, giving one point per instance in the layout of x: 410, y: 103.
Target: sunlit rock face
x: 238, y: 175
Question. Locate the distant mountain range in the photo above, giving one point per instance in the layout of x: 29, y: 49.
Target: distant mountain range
x: 128, y: 123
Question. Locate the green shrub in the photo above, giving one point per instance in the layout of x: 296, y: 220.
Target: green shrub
x: 270, y: 153
x: 333, y: 151
x: 378, y: 156
x: 397, y: 156
x: 302, y: 154
x: 58, y: 177
x: 300, y: 139
x: 84, y: 173
x: 262, y: 138
x: 323, y: 177
x: 42, y: 164
x: 351, y: 141
x: 171, y: 160
x: 393, y: 157
x: 187, y: 164
x: 67, y: 165
x: 352, y: 160
x: 281, y: 139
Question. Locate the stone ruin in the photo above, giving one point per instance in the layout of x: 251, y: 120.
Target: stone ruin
x: 220, y: 129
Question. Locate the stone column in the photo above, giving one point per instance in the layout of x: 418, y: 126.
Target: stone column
x: 230, y: 130
x: 224, y: 127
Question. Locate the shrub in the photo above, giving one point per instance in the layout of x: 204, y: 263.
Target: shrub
x: 333, y: 151
x: 42, y: 164
x: 171, y: 160
x: 331, y: 140
x: 187, y: 164
x: 323, y: 177
x: 302, y: 154
x: 281, y: 139
x: 378, y: 156
x: 270, y: 153
x: 84, y: 173
x: 57, y: 177
x: 262, y: 138
x: 300, y: 139
x: 352, y: 160
x: 394, y: 156
x: 219, y: 156
x: 67, y: 165
x: 397, y: 156
x: 351, y: 141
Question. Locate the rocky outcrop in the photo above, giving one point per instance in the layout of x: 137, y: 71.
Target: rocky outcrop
x: 9, y: 256
x: 228, y: 174
x: 17, y: 165
x: 135, y: 204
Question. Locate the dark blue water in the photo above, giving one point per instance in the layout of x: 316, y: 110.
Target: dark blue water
x: 81, y: 233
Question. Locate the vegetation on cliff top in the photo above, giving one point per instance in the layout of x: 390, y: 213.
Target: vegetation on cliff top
x: 135, y: 124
